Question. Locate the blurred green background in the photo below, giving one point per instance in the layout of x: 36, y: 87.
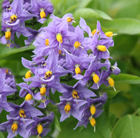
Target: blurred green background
x: 121, y: 118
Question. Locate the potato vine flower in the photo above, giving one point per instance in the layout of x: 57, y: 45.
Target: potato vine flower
x: 40, y: 126
x: 7, y: 83
x: 77, y: 65
x: 70, y: 59
x: 24, y: 110
x: 3, y: 104
x: 13, y: 21
x: 91, y: 110
x: 77, y: 92
x: 15, y: 126
x: 15, y: 15
x: 41, y: 9
x: 70, y: 107
x: 90, y: 70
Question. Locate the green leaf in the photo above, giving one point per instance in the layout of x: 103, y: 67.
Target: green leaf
x: 1, y: 135
x: 136, y: 52
x: 6, y: 52
x: 124, y: 45
x: 64, y: 6
x: 91, y: 13
x: 112, y: 93
x: 123, y: 26
x: 84, y: 3
x: 126, y: 78
x: 121, y: 8
x: 102, y: 130
x: 135, y: 94
x: 57, y: 128
x: 127, y: 127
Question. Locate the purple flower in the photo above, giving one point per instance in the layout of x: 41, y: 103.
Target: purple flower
x: 24, y: 110
x: 25, y: 89
x: 44, y: 45
x: 76, y: 65
x: 7, y: 82
x: 85, y: 27
x: 41, y: 9
x: 98, y: 42
x: 77, y: 92
x: 30, y: 94
x: 56, y: 35
x: 44, y: 77
x: 70, y: 107
x: 27, y: 93
x: 13, y: 21
x: 62, y: 52
x: 115, y: 69
x: 31, y: 38
x: 28, y: 64
x: 91, y: 110
x: 67, y: 19
x: 49, y: 72
x: 16, y: 126
x: 40, y: 126
x: 77, y: 40
x: 3, y: 104
x: 93, y: 73
x: 106, y: 74
x: 107, y: 80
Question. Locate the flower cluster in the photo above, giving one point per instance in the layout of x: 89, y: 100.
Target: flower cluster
x: 63, y: 51
x: 23, y: 119
x: 68, y: 59
x: 15, y: 16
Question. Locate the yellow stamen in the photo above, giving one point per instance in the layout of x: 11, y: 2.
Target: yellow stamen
x: 67, y: 108
x: 28, y: 97
x: 92, y: 121
x: 75, y: 94
x: 14, y: 127
x: 77, y: 44
x: 111, y: 81
x: 59, y: 38
x: 47, y: 42
x: 102, y: 48
x: 77, y: 69
x: 42, y: 13
x: 92, y: 109
x: 48, y: 74
x: 69, y: 19
x: 60, y: 52
x: 13, y: 18
x: 43, y: 90
x: 109, y: 34
x: 28, y: 74
x: 93, y: 32
x: 39, y: 129
x: 95, y: 78
x: 8, y: 34
x: 22, y: 113
x: 7, y: 71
